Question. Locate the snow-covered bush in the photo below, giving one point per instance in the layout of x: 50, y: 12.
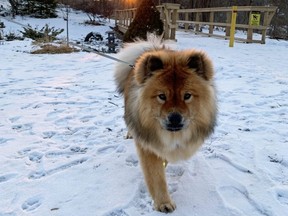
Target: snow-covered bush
x: 45, y: 34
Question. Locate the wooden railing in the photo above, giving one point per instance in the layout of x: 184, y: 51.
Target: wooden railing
x: 193, y: 20
x: 123, y: 18
x: 264, y: 14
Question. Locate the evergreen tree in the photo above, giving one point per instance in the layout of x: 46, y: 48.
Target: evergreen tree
x: 45, y: 8
x: 38, y: 8
x: 147, y: 19
x: 279, y: 24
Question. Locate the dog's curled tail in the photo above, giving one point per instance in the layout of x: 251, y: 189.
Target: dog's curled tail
x: 130, y: 53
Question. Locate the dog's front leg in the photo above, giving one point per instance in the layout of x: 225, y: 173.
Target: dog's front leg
x: 154, y: 173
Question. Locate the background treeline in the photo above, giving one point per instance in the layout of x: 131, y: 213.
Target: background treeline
x: 34, y: 8
x: 94, y: 9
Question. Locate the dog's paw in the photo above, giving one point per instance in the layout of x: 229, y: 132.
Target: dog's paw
x: 166, y: 207
x: 129, y: 135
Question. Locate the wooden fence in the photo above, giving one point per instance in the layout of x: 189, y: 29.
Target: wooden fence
x: 174, y: 18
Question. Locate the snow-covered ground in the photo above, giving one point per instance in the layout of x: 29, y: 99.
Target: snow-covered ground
x: 62, y: 146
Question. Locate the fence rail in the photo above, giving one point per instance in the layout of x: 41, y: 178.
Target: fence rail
x: 193, y: 19
x: 264, y: 13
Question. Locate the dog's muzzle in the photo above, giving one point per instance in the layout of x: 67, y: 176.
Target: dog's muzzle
x: 174, y: 122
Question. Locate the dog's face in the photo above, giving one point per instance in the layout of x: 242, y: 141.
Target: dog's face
x: 176, y: 90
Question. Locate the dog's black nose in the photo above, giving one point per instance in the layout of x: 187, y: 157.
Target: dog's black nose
x: 174, y: 122
x: 174, y: 118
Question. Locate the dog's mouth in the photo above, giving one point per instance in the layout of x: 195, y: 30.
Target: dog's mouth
x: 173, y: 128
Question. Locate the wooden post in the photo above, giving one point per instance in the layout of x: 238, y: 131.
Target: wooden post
x: 161, y: 10
x: 174, y: 24
x: 211, y: 20
x: 197, y: 29
x: 228, y: 20
x: 186, y: 19
x: 125, y: 18
x: 131, y: 17
x: 170, y: 12
x: 122, y: 17
x: 233, y: 25
x: 166, y: 25
x: 249, y: 30
x: 265, y: 23
x: 268, y: 15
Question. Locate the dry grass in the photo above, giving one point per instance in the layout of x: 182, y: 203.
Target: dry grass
x: 54, y: 49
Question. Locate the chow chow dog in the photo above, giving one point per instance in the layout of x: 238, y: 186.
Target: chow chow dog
x: 170, y: 107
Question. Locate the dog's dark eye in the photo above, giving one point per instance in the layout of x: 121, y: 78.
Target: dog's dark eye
x: 187, y: 96
x: 162, y: 97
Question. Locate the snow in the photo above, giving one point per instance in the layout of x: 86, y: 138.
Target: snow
x: 62, y: 132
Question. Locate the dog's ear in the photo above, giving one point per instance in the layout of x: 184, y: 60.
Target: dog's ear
x: 154, y: 63
x: 201, y: 65
x: 146, y: 66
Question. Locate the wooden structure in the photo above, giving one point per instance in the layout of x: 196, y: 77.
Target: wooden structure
x: 266, y: 12
x: 192, y: 20
x: 123, y: 18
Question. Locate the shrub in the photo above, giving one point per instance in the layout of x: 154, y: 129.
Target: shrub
x: 54, y: 49
x: 45, y: 34
x: 12, y: 36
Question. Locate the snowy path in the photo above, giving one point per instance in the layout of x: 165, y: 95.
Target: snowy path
x: 63, y: 151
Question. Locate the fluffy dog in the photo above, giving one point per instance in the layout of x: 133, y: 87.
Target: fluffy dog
x: 170, y: 107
